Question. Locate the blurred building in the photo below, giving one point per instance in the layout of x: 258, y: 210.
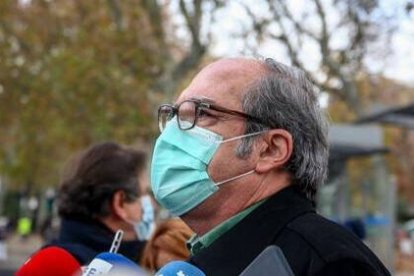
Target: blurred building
x: 360, y: 192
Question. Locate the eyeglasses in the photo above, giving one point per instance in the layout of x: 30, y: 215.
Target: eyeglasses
x: 188, y: 113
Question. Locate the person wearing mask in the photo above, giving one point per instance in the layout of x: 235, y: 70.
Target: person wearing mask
x: 240, y: 158
x: 100, y: 193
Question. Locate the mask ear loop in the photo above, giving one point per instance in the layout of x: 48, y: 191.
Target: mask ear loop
x: 236, y: 138
x: 235, y: 177
x: 242, y: 136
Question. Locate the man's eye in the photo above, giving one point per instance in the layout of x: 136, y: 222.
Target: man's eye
x: 206, y: 118
x: 203, y: 113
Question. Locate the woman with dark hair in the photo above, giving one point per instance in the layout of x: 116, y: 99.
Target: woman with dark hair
x: 99, y: 194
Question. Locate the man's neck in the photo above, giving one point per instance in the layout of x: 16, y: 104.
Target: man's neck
x: 201, y: 222
x: 227, y: 203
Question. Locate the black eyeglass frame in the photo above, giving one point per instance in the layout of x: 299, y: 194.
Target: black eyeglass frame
x: 201, y: 104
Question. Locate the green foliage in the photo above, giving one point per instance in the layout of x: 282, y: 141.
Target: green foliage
x: 70, y: 75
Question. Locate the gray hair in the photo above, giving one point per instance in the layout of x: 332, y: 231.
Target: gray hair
x: 286, y: 99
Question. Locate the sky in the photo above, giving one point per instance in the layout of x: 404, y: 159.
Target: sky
x: 231, y: 20
x: 398, y: 65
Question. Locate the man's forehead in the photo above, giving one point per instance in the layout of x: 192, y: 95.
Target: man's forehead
x: 238, y: 67
x: 223, y: 80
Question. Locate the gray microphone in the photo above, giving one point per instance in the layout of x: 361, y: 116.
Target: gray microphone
x: 270, y: 262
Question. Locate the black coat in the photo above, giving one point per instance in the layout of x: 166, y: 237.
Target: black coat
x: 311, y: 244
x: 84, y: 240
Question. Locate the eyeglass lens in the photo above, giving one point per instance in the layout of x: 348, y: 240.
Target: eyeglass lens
x: 186, y: 114
x: 165, y: 114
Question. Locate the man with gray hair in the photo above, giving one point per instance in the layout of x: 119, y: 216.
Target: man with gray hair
x: 240, y: 158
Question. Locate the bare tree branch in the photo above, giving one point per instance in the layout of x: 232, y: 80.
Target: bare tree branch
x: 193, y: 21
x: 298, y: 27
x: 197, y: 50
x: 409, y: 7
x: 337, y: 64
x: 284, y: 38
x: 349, y: 87
x: 175, y: 70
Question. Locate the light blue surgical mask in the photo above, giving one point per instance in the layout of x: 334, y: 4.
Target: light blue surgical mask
x: 146, y: 226
x: 179, y: 177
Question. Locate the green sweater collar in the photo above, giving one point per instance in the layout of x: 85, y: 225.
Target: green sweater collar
x: 196, y: 243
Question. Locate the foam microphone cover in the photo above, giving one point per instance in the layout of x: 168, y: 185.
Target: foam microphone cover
x: 50, y: 261
x: 179, y: 268
x: 112, y: 264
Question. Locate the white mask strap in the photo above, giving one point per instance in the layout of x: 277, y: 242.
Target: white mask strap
x: 242, y: 136
x: 234, y: 178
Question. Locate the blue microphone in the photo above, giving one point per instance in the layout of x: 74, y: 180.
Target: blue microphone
x: 112, y: 263
x: 179, y: 268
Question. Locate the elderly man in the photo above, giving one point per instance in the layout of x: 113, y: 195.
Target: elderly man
x: 240, y: 158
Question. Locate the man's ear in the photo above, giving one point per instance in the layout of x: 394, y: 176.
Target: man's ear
x: 118, y: 205
x: 275, y: 151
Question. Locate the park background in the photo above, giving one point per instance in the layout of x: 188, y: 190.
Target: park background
x: 77, y: 72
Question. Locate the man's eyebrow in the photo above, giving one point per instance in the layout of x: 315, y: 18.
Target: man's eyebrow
x: 203, y: 99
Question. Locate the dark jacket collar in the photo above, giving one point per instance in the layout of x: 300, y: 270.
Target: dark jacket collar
x: 85, y: 240
x: 241, y: 244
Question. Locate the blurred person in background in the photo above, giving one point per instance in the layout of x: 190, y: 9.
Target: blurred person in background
x: 168, y: 243
x: 100, y: 193
x: 3, y: 236
x: 24, y: 227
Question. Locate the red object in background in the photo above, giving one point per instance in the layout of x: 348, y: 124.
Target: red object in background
x: 50, y: 261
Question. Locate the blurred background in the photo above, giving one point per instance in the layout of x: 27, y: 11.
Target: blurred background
x: 76, y: 72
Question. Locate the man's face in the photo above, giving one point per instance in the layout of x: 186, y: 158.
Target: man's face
x: 224, y: 83
x: 134, y: 210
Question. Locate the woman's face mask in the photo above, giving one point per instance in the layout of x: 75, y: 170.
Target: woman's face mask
x: 146, y: 225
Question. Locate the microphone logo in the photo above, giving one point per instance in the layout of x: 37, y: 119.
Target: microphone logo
x: 180, y: 268
x: 97, y: 267
x: 179, y: 273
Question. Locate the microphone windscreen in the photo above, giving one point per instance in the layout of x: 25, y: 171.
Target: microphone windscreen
x: 50, y: 261
x: 175, y: 268
x: 110, y: 264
